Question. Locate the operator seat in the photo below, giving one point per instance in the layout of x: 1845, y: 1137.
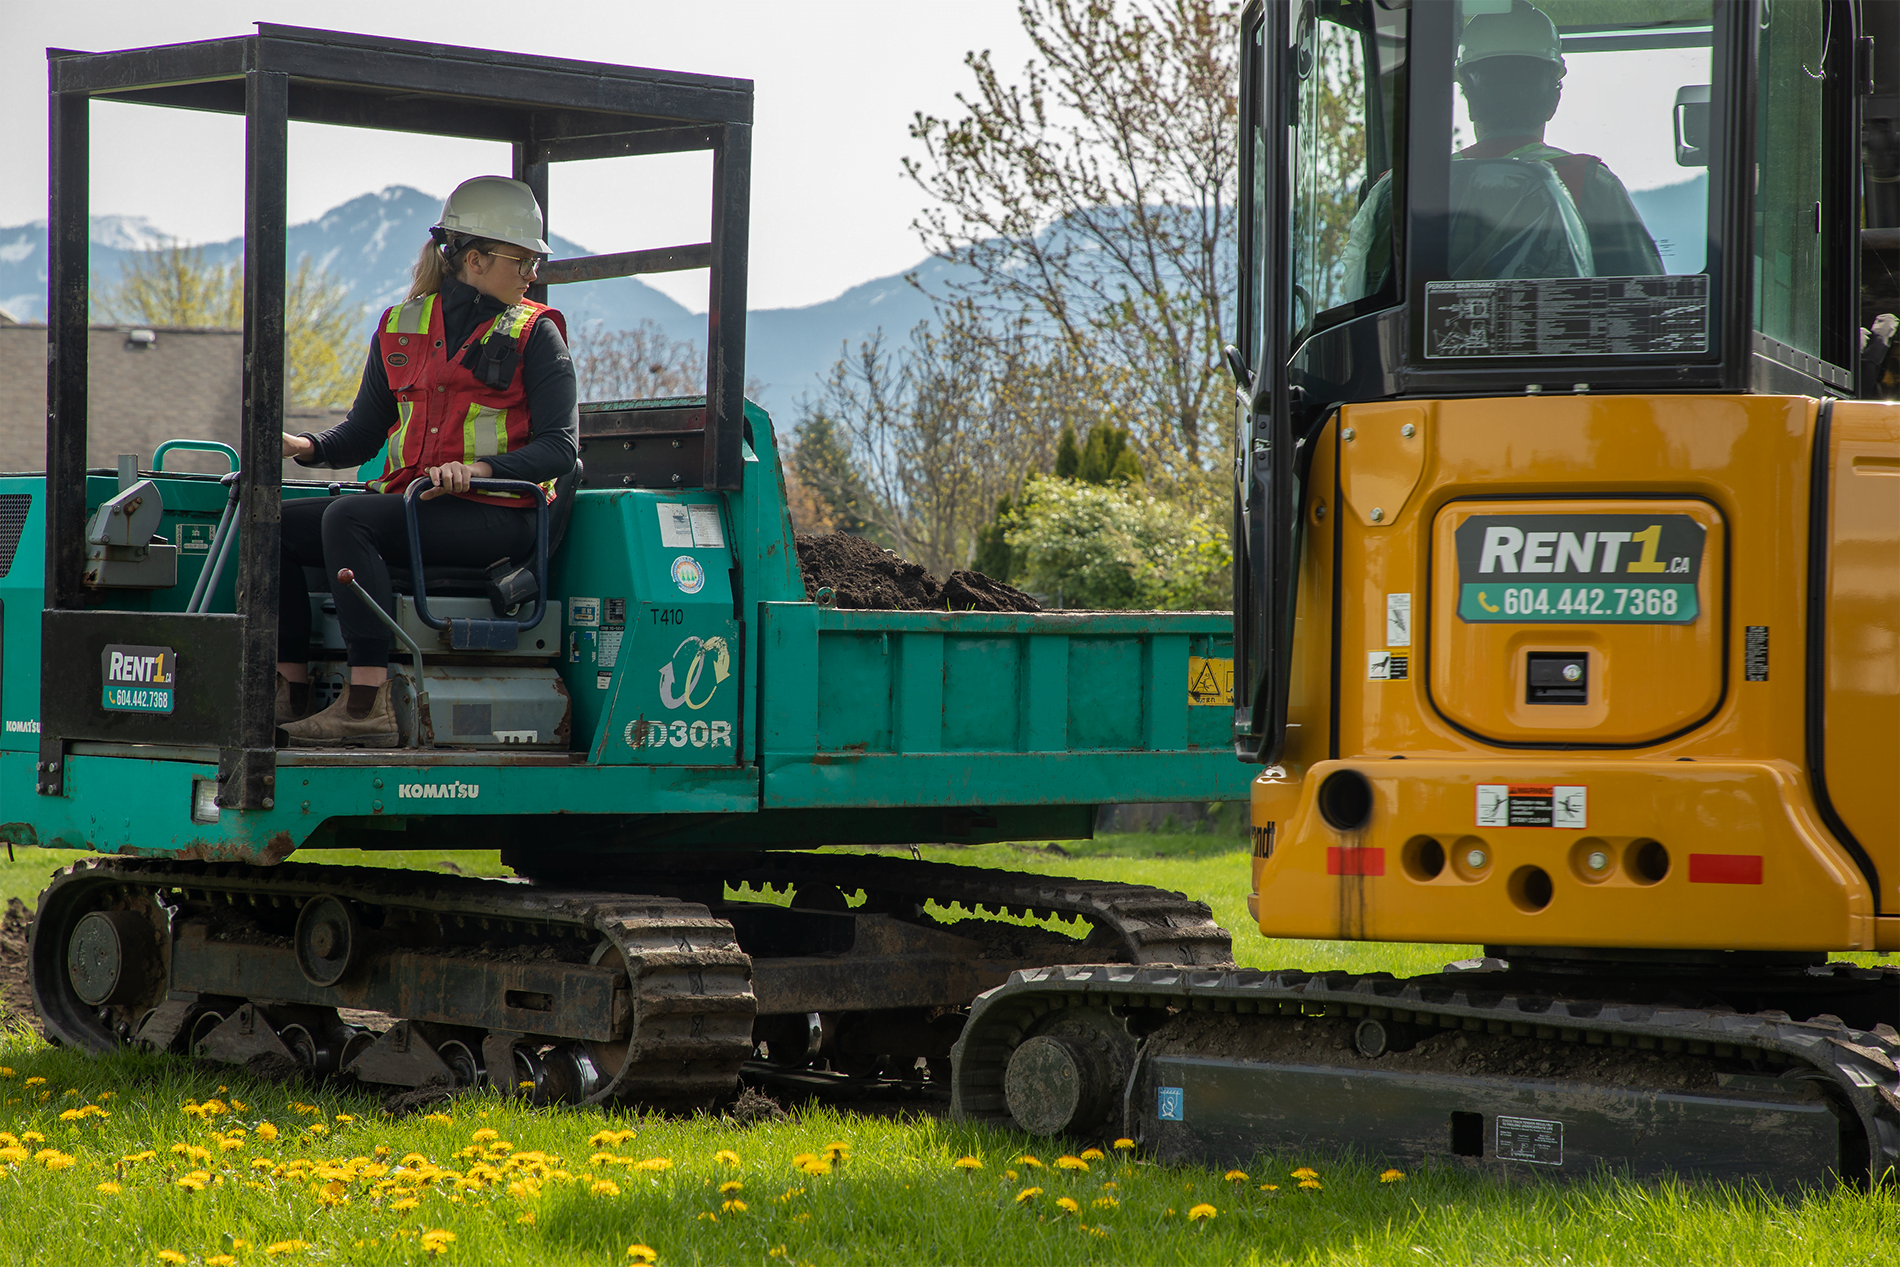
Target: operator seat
x: 472, y: 582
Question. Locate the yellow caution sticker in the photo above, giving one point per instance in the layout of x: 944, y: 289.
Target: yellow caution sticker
x: 1210, y: 681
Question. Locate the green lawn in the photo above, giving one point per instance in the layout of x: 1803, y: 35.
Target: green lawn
x: 146, y: 1160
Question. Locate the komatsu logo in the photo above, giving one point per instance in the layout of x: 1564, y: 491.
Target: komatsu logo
x: 23, y: 727
x: 439, y: 791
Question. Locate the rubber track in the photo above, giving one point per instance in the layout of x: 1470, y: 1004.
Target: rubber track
x: 1155, y: 926
x: 1863, y: 1066
x: 691, y: 985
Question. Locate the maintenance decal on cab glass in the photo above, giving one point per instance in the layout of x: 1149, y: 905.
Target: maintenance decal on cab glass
x: 1625, y: 569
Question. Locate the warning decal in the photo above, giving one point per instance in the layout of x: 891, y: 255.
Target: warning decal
x: 1531, y: 1139
x: 1210, y: 681
x: 1532, y: 805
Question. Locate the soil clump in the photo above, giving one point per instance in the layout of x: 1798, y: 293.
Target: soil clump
x: 864, y: 576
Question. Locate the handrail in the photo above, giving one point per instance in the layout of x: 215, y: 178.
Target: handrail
x: 522, y: 487
x: 193, y: 446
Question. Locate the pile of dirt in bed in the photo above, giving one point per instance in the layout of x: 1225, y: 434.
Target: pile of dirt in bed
x: 866, y: 577
x: 16, y: 996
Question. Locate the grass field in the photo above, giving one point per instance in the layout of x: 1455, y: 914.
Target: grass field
x: 154, y: 1160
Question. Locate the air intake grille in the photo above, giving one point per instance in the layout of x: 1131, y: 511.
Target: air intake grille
x: 13, y: 508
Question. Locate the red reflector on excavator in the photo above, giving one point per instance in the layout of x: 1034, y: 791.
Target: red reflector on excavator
x: 1724, y: 868
x: 1341, y: 861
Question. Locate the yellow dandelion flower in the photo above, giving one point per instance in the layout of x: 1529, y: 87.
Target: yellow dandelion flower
x: 53, y: 1159
x: 1306, y: 1172
x: 727, y: 1156
x: 801, y: 1160
x: 13, y: 1155
x: 967, y: 1163
x: 276, y: 1248
x: 344, y: 1117
x: 109, y: 1188
x: 1106, y: 1203
x: 229, y: 1145
x: 1312, y: 1184
x: 1091, y: 1154
x: 734, y: 1206
x: 1028, y: 1194
x: 407, y: 1203
x: 817, y: 1166
x: 1068, y: 1203
x: 654, y: 1163
x: 32, y: 1137
x: 1269, y: 1187
x: 1009, y: 1176
x: 5, y: 1072
x: 220, y: 1260
x: 1030, y: 1161
x: 317, y: 1128
x: 237, y: 1106
x: 1124, y: 1144
x: 777, y: 1251
x: 440, y: 1119
x: 1201, y: 1211
x: 730, y: 1186
x: 640, y: 1253
x: 605, y: 1188
x: 1391, y: 1176
x: 1235, y: 1176
x: 527, y: 1218
x: 171, y: 1256
x: 1066, y: 1162
x: 36, y: 1082
x: 707, y: 1216
x: 485, y: 1134
x: 437, y: 1241
x: 266, y: 1132
x: 146, y: 1155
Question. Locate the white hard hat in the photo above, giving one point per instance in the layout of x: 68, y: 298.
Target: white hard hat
x: 1521, y: 31
x: 498, y: 208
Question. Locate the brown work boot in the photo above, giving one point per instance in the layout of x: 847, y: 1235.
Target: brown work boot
x: 334, y: 727
x: 287, y: 709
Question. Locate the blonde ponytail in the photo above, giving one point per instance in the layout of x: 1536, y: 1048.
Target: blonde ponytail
x: 428, y: 272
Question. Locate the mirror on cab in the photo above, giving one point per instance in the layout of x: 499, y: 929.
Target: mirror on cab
x: 1692, y: 125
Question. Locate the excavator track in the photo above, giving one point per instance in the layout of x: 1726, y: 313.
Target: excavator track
x: 411, y: 979
x: 1462, y: 1067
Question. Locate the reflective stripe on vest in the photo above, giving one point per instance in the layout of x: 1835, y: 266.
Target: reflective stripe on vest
x: 484, y: 433
x: 411, y: 317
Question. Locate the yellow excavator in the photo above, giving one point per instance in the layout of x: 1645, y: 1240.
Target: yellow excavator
x: 1568, y: 603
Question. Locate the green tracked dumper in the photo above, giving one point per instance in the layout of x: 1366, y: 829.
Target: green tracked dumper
x: 669, y: 716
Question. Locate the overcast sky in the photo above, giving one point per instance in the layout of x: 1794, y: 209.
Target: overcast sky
x: 836, y: 82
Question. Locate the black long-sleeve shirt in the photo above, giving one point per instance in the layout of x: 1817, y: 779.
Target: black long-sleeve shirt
x: 547, y: 374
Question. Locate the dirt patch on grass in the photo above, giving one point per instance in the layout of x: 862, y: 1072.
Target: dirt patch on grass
x: 16, y: 996
x: 864, y: 576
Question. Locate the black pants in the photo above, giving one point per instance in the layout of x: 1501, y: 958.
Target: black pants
x: 362, y: 532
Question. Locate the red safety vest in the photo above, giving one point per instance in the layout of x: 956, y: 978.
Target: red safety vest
x: 443, y: 412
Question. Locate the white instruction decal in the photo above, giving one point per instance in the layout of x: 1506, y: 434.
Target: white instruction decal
x: 1532, y: 805
x: 583, y: 611
x: 676, y: 527
x: 1398, y: 620
x: 1531, y: 1139
x: 608, y: 653
x: 707, y: 532
x: 1388, y: 666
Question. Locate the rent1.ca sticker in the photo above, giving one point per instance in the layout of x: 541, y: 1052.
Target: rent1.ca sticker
x: 1579, y: 569
x: 139, y: 679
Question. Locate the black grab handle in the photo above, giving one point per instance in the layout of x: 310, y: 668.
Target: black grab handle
x: 522, y: 487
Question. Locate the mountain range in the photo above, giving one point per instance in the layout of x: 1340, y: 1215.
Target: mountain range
x: 370, y: 242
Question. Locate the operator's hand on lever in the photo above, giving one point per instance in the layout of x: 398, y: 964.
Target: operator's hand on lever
x: 298, y: 446
x: 453, y: 477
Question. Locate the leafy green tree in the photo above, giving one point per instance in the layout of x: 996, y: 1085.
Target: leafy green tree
x: 1107, y: 458
x: 324, y: 331
x: 1109, y: 546
x: 1068, y: 456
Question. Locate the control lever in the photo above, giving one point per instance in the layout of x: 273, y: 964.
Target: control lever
x: 419, y: 692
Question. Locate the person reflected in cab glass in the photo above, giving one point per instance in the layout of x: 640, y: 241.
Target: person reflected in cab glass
x: 1511, y: 71
x: 467, y: 380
